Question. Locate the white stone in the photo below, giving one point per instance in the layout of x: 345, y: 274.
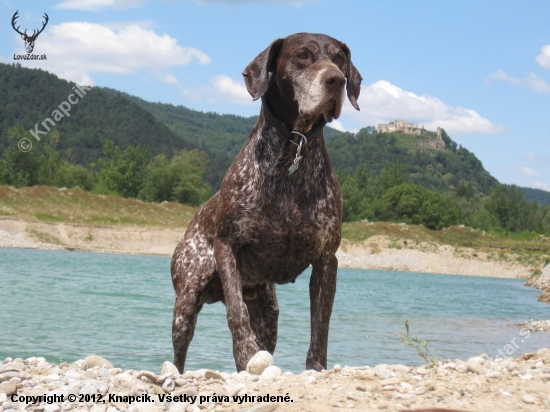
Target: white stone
x: 169, y: 385
x: 259, y: 362
x: 271, y: 372
x: 179, y: 407
x: 475, y: 366
x: 169, y: 367
x: 530, y: 399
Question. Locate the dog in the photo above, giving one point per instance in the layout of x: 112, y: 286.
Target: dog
x: 279, y: 208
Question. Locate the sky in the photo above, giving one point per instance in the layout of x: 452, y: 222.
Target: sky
x: 479, y: 69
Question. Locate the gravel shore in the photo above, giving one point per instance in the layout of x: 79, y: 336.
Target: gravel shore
x: 477, y: 384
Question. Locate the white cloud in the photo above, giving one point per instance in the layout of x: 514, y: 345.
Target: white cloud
x: 96, y: 5
x: 544, y: 58
x: 167, y: 78
x: 531, y: 81
x: 77, y: 49
x: 529, y: 172
x: 222, y: 89
x: 382, y: 102
x: 337, y: 125
x: 541, y: 185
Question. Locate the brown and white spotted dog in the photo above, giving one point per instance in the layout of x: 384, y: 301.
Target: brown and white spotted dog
x: 279, y: 208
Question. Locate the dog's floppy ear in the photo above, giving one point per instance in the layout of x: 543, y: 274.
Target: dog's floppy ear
x: 256, y: 74
x: 353, y: 85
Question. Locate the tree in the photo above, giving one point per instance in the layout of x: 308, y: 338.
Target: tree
x: 19, y: 168
x: 123, y: 172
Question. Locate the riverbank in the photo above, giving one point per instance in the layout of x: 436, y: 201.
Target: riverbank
x: 376, y: 252
x: 477, y: 384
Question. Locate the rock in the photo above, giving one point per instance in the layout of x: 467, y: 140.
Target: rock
x: 259, y: 362
x: 149, y: 375
x: 271, y: 372
x: 94, y: 360
x: 6, y: 376
x: 158, y: 390
x: 179, y: 407
x: 337, y: 367
x: 180, y: 381
x: 530, y: 399
x: 9, y: 388
x: 169, y: 385
x: 390, y: 381
x: 424, y: 370
x: 511, y: 367
x: 382, y: 373
x: 264, y: 407
x: 234, y: 390
x: 89, y: 388
x: 54, y: 407
x: 401, y: 368
x: 189, y: 391
x: 213, y: 375
x: 475, y: 367
x: 103, y: 372
x: 169, y: 367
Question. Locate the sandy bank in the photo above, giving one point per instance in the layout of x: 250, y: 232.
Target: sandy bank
x: 377, y: 252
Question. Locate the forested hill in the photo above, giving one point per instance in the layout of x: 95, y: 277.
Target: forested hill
x: 538, y: 195
x: 437, y: 164
x: 221, y: 134
x: 28, y: 97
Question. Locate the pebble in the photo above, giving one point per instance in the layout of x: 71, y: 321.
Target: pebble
x: 264, y: 407
x: 94, y: 360
x: 213, y: 375
x: 8, y: 387
x: 169, y: 367
x: 462, y: 368
x: 382, y: 373
x: 530, y: 399
x: 476, y: 367
x: 337, y: 367
x: 259, y: 362
x: 169, y: 385
x: 271, y: 372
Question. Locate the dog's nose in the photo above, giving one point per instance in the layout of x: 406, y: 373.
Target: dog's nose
x: 334, y: 79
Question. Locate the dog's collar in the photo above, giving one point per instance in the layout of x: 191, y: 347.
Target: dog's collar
x: 287, y: 131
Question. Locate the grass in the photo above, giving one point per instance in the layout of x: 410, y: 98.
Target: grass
x: 76, y: 206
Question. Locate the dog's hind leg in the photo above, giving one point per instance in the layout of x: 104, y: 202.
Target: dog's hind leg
x: 263, y: 310
x: 194, y: 278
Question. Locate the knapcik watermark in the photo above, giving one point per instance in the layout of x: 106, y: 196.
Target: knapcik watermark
x: 29, y: 40
x: 25, y: 144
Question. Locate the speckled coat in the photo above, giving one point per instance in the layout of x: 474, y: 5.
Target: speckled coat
x: 266, y: 226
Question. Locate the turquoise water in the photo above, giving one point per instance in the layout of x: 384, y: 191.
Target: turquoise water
x: 67, y: 305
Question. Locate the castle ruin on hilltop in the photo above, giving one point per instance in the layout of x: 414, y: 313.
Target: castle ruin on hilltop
x: 435, y: 143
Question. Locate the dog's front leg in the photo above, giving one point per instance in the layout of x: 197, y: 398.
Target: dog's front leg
x: 322, y: 288
x: 244, y: 340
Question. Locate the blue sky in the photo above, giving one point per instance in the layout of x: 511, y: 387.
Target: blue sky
x: 480, y: 69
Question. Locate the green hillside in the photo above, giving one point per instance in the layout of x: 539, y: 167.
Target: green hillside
x: 536, y: 195
x: 28, y: 97
x: 437, y: 165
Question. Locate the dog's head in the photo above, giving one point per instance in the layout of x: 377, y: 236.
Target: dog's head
x: 309, y: 72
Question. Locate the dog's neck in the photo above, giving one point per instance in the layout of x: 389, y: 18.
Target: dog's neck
x: 308, y: 130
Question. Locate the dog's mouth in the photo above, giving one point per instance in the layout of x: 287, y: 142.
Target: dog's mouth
x: 332, y: 111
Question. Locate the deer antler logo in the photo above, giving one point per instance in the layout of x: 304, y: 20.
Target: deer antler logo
x: 29, y: 40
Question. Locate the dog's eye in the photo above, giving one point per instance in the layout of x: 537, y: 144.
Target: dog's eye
x: 338, y: 59
x: 303, y: 55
